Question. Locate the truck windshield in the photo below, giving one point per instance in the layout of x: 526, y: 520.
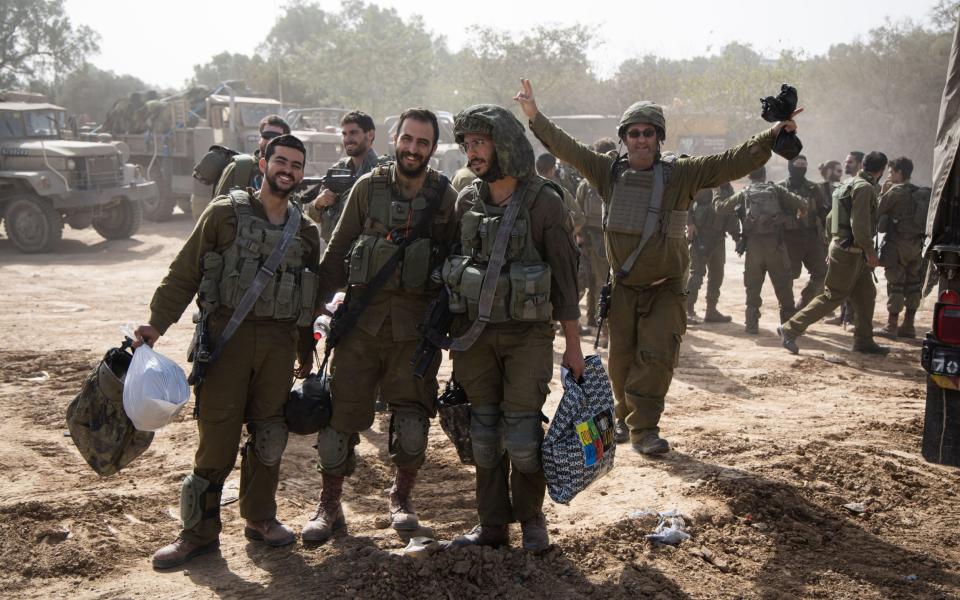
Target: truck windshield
x: 11, y: 124
x: 44, y: 123
x: 251, y: 114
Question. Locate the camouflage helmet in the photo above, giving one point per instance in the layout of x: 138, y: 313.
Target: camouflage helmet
x: 514, y: 152
x: 644, y: 112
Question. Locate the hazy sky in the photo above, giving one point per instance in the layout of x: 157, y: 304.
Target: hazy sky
x: 159, y: 41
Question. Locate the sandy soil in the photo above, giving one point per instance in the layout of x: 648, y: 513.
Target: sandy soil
x: 768, y: 448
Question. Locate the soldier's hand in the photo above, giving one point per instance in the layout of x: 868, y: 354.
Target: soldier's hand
x: 525, y: 99
x: 145, y: 334
x: 303, y: 368
x: 789, y: 124
x: 325, y: 198
x: 573, y: 360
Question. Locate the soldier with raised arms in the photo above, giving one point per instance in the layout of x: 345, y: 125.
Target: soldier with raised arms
x: 646, y: 198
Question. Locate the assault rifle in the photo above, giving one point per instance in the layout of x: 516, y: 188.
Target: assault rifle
x: 337, y: 180
x: 199, y: 354
x: 603, y: 309
x: 741, y: 243
x: 435, y: 327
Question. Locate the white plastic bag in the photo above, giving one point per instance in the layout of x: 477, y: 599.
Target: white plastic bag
x: 154, y: 390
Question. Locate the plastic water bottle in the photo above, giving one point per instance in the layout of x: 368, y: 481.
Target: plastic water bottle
x: 321, y: 327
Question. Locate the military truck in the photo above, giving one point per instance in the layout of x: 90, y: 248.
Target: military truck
x: 319, y: 130
x: 178, y: 130
x: 46, y: 180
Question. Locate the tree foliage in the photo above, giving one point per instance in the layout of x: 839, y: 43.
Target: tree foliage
x: 37, y: 40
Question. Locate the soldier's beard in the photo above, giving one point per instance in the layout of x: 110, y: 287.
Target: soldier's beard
x: 493, y: 173
x: 410, y: 172
x: 276, y: 189
x: 356, y: 150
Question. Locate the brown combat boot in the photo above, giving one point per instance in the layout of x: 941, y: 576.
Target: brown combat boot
x: 715, y: 316
x: 403, y: 517
x: 482, y: 535
x: 181, y: 551
x: 890, y: 329
x: 535, y: 536
x: 269, y: 531
x: 868, y: 346
x: 906, y: 329
x: 328, y: 519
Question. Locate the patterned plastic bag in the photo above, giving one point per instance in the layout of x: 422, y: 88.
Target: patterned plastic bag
x: 579, y: 446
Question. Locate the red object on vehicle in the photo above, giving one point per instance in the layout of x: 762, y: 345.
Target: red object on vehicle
x: 946, y: 317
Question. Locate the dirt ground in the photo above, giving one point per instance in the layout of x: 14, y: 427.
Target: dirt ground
x: 767, y: 450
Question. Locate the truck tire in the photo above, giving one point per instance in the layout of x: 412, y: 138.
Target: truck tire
x: 32, y: 224
x: 159, y: 208
x: 121, y: 220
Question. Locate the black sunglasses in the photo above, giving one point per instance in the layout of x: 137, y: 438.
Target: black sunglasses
x: 647, y: 133
x: 269, y: 135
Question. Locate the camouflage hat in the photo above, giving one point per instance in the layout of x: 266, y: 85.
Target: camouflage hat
x: 514, y: 152
x: 643, y: 112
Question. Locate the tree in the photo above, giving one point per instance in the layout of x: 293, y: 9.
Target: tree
x: 90, y: 91
x: 37, y: 40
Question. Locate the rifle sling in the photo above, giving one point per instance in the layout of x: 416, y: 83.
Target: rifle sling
x: 651, y: 223
x: 488, y: 289
x: 266, y: 273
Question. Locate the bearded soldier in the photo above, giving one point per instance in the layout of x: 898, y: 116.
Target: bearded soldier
x: 249, y: 376
x: 645, y: 201
x: 515, y: 276
x: 398, y: 220
x: 903, y: 220
x: 707, y: 231
x: 357, y: 131
x: 803, y: 236
x: 764, y: 208
x: 852, y: 259
x: 591, y: 238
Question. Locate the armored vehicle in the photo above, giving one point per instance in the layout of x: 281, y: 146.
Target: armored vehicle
x: 47, y: 180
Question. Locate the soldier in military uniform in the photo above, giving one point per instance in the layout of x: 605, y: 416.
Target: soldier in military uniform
x: 546, y: 166
x: 463, y: 177
x: 830, y: 172
x: 390, y: 206
x: 358, y: 132
x: 592, y: 251
x: 243, y: 170
x: 852, y: 260
x: 804, y: 235
x: 852, y: 163
x: 503, y: 356
x: 707, y: 232
x: 648, y: 300
x: 250, y: 381
x: 764, y: 208
x: 903, y: 218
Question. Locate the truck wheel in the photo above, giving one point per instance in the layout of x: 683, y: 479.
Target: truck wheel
x: 32, y: 224
x: 120, y: 220
x: 158, y: 208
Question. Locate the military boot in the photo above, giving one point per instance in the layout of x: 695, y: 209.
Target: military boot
x: 906, y: 329
x: 621, y: 433
x: 535, y: 536
x: 482, y: 535
x: 180, y: 551
x: 403, y: 517
x: 715, y: 316
x: 890, y: 329
x: 651, y: 444
x: 269, y: 531
x: 692, y: 317
x: 751, y: 323
x: 835, y: 320
x: 868, y: 346
x: 328, y: 519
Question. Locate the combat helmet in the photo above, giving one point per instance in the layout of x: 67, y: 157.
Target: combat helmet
x: 514, y: 152
x: 644, y: 111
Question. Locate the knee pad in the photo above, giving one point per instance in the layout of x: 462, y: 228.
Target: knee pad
x: 485, y: 435
x: 269, y: 442
x: 523, y: 437
x: 408, y: 433
x: 333, y: 447
x: 193, y: 507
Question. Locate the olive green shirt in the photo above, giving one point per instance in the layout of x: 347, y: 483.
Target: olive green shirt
x: 896, y: 203
x: 790, y: 203
x: 228, y: 177
x: 405, y: 308
x: 326, y: 215
x: 215, y: 231
x: 662, y: 257
x: 577, y: 216
x: 551, y: 230
x: 816, y: 204
x: 462, y: 178
x: 863, y: 212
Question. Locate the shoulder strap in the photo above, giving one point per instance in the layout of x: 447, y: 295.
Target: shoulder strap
x: 650, y: 224
x: 266, y: 273
x: 243, y: 169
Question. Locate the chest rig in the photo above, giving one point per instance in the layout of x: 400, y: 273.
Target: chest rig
x: 291, y: 293
x: 523, y: 285
x: 390, y: 219
x: 630, y: 203
x: 764, y: 214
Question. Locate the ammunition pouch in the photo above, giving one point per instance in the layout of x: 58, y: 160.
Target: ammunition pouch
x: 522, y: 294
x: 371, y: 252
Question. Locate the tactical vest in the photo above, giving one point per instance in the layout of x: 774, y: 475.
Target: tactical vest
x: 593, y: 207
x: 910, y: 216
x: 764, y: 213
x: 523, y: 287
x: 704, y: 215
x: 289, y: 296
x: 630, y: 203
x: 842, y: 208
x: 791, y: 222
x: 390, y: 219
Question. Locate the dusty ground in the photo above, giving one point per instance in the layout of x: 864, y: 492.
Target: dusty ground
x: 768, y: 448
